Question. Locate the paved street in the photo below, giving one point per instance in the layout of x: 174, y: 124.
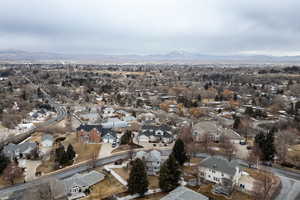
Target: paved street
x: 290, y: 189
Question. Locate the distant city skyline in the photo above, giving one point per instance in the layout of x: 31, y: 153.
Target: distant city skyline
x: 216, y: 27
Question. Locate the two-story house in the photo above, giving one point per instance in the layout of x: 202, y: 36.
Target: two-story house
x: 152, y: 161
x: 95, y: 134
x: 217, y: 168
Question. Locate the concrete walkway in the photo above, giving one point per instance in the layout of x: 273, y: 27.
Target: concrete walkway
x: 30, y: 168
x: 117, y: 176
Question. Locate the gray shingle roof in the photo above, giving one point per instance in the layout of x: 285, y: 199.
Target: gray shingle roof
x: 99, y: 128
x: 221, y: 164
x: 162, y: 131
x: 183, y: 193
x: 81, y: 180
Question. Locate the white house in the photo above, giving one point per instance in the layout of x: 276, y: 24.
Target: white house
x: 114, y: 123
x: 216, y: 168
x: 152, y: 160
x: 151, y: 133
x: 108, y: 112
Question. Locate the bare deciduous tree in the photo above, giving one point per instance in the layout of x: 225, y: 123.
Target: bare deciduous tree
x: 12, y: 172
x: 228, y: 146
x: 263, y: 187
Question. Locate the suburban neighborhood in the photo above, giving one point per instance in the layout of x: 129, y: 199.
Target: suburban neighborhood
x: 147, y: 131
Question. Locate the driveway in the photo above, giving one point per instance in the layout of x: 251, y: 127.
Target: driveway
x: 30, y: 168
x: 290, y: 189
x: 241, y: 151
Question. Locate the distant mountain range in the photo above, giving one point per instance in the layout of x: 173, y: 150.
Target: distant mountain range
x: 172, y: 57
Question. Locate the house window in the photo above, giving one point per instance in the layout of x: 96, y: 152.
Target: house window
x: 216, y: 179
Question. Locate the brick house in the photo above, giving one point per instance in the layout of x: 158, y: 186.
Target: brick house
x: 95, y: 134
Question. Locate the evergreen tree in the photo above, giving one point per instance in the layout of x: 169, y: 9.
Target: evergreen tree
x: 169, y: 174
x: 126, y: 138
x: 269, y: 150
x: 265, y: 142
x: 236, y: 123
x: 179, y: 152
x: 61, y: 156
x: 138, y: 182
x: 70, y: 152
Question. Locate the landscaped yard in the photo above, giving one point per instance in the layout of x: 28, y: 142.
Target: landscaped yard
x: 124, y: 173
x: 106, y: 188
x: 4, y: 183
x: 46, y: 167
x: 83, y: 151
x: 206, y: 190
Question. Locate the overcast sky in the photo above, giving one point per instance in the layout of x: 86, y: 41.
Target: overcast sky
x: 151, y: 26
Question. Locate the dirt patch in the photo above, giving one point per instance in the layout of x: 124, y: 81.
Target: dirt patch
x: 126, y: 147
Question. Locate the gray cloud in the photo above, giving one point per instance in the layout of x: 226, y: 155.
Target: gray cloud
x: 151, y: 26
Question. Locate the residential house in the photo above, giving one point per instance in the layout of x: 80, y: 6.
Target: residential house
x: 22, y: 150
x: 152, y: 161
x: 150, y: 133
x: 114, y: 123
x: 95, y: 134
x: 184, y: 193
x: 108, y: 112
x: 217, y: 168
x: 78, y: 184
x: 214, y: 132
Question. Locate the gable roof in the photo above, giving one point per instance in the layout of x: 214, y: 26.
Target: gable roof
x: 11, y: 149
x: 99, y: 128
x: 221, y: 164
x: 183, y: 193
x: 82, y: 180
x: 160, y: 131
